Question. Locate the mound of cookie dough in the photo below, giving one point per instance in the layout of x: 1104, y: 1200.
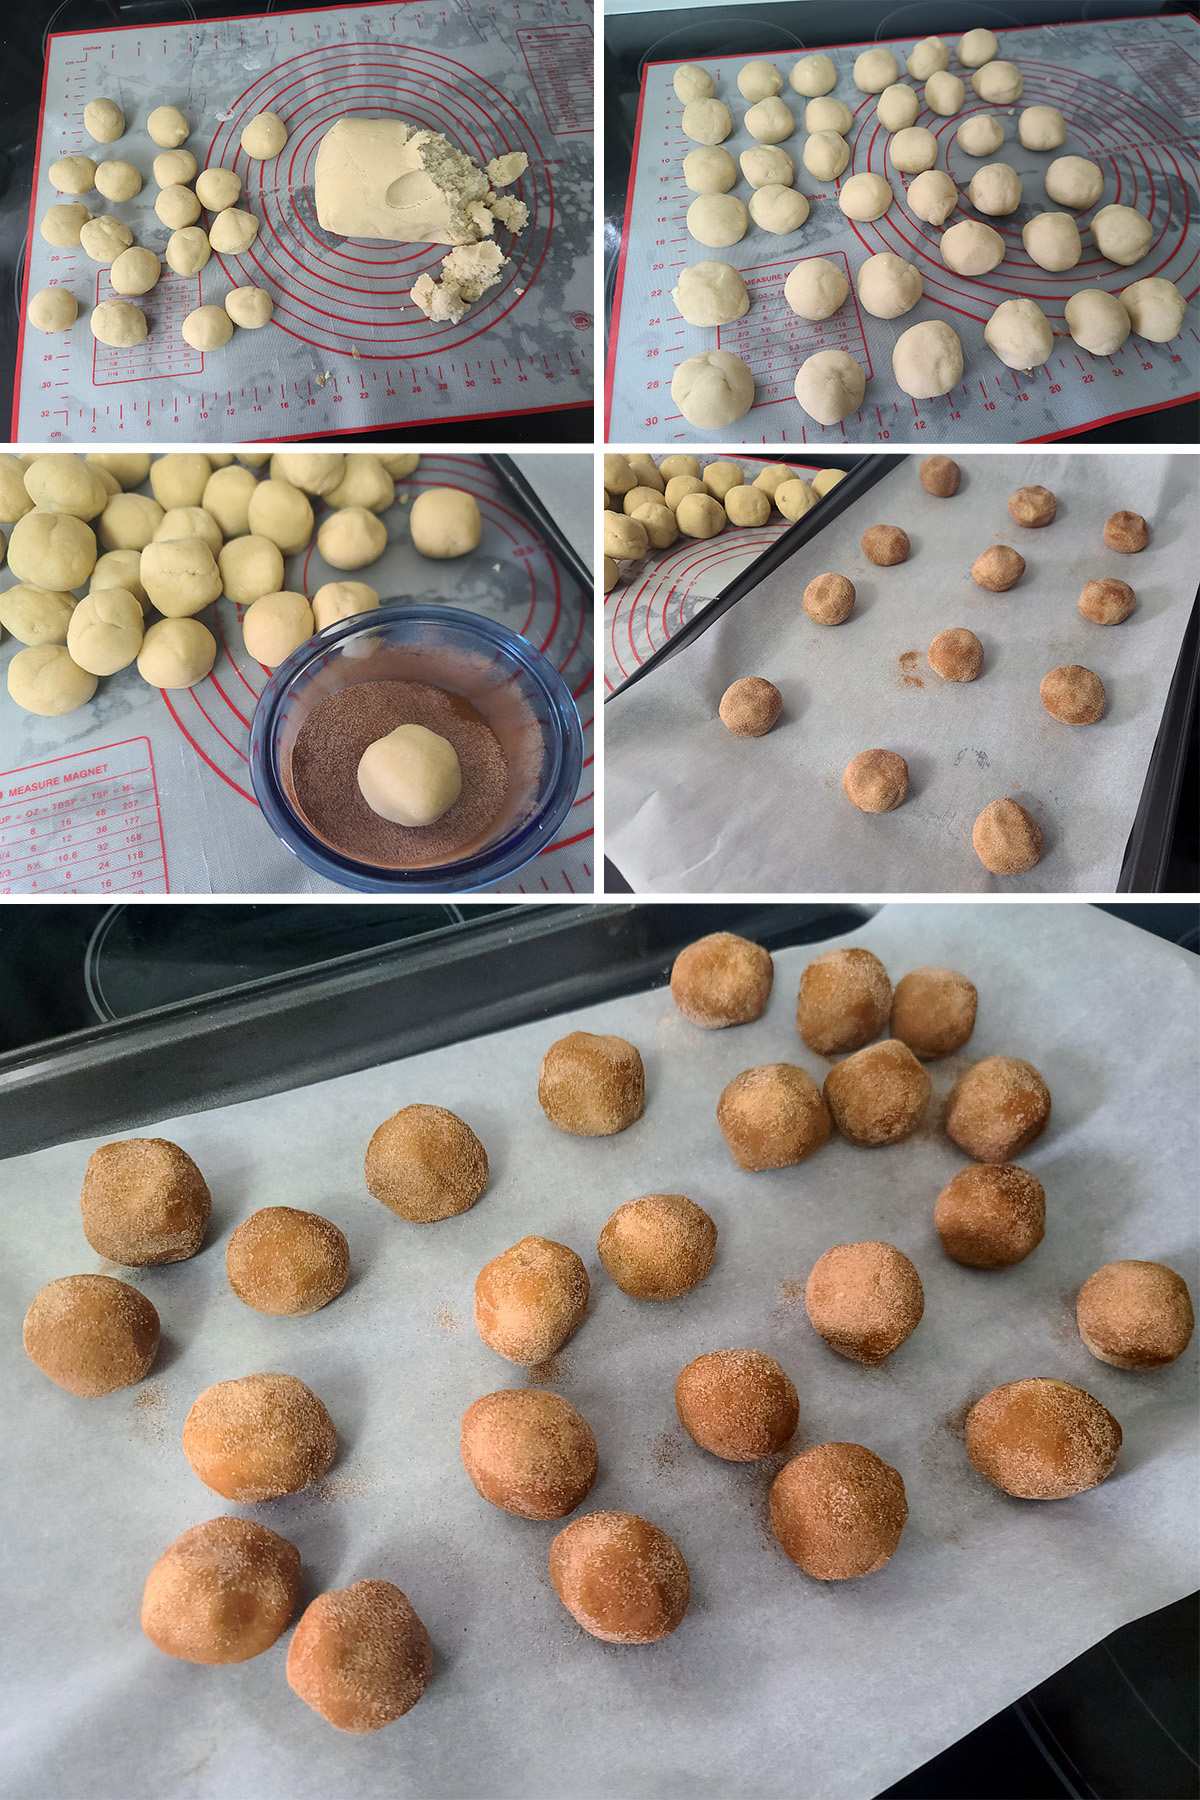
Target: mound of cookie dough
x: 997, y: 1109
x: 360, y: 1656
x: 91, y: 1334
x: 991, y: 1215
x: 864, y: 1299
x: 1042, y: 1439
x: 878, y: 1095
x: 1135, y: 1315
x: 144, y: 1201
x: 425, y: 1164
x: 383, y: 178
x: 592, y: 1085
x: 529, y: 1452
x: 529, y: 1299
x: 772, y: 1116
x: 658, y: 1247
x: 844, y: 1000
x: 223, y: 1592
x: 621, y: 1578
x: 258, y: 1438
x: 287, y: 1262
x: 722, y: 980
x: 838, y: 1510
x: 738, y: 1404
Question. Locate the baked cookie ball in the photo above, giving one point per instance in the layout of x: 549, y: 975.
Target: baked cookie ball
x: 750, y: 707
x: 91, y: 1334
x: 529, y: 1452
x: 529, y: 1299
x: 739, y: 1404
x: 144, y: 1201
x: 1107, y: 602
x: 424, y: 1164
x: 222, y: 1592
x: 864, y: 1300
x: 933, y: 1012
x: 772, y: 1116
x: 829, y: 599
x: 722, y: 980
x: 258, y: 1438
x: 991, y: 1215
x: 876, y: 781
x: 885, y: 544
x: 956, y: 654
x: 1033, y: 506
x: 590, y: 1085
x: 878, y: 1095
x: 658, y: 1247
x: 1127, y: 532
x: 844, y: 1000
x: 939, y: 475
x: 360, y: 1656
x: 998, y: 1108
x: 838, y: 1511
x: 620, y: 1577
x: 1135, y: 1315
x: 1007, y: 839
x: 1042, y: 1439
x: 284, y: 1261
x: 998, y: 568
x: 1073, y: 694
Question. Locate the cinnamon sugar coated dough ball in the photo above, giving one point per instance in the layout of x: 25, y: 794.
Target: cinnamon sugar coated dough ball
x: 1042, y: 1439
x: 997, y: 569
x: 940, y: 475
x: 878, y: 1095
x: 722, y: 980
x: 864, y: 1300
x: 1007, y: 839
x: 287, y: 1262
x: 1135, y: 1315
x: 259, y: 1437
x: 875, y: 781
x: 1033, y: 506
x: 223, y: 1592
x: 933, y: 1012
x: 591, y: 1084
x: 1107, y: 602
x: 885, y: 545
x: 91, y: 1334
x: 360, y: 1656
x: 658, y: 1247
x: 838, y: 1511
x: 425, y: 1164
x: 1127, y: 532
x: 844, y: 1000
x: 621, y: 1578
x: 991, y: 1215
x: 738, y: 1404
x: 751, y: 706
x: 530, y: 1298
x: 956, y: 654
x: 998, y: 1108
x: 829, y: 599
x: 1073, y: 694
x: 529, y: 1452
x: 144, y: 1201
x: 772, y: 1116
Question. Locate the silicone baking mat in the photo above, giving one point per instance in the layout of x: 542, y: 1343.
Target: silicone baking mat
x: 1128, y: 92
x: 347, y: 349
x: 148, y: 792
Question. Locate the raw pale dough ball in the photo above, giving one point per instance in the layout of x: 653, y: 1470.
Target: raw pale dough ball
x: 232, y: 232
x: 995, y: 189
x: 264, y: 137
x: 618, y: 475
x: 814, y: 290
x: 913, y: 151
x: 999, y: 83
x: 932, y: 196
x: 888, y: 286
x: 717, y: 220
x: 592, y: 1086
x: 826, y: 155
x: 944, y: 94
x: 35, y: 615
x: 778, y: 209
x: 621, y: 1578
x: 1033, y: 507
x: 259, y: 1438
x: 770, y: 122
x: 970, y: 248
x: 275, y: 625
x: 711, y: 293
x: 135, y: 271
x: 207, y: 328
x: 529, y: 1300
x: 759, y: 80
x: 188, y: 250
x: 720, y: 477
x: 991, y: 1215
x: 223, y: 1592
x: 177, y: 206
x: 180, y: 575
x: 117, y: 180
x: 52, y: 550
x: 876, y: 781
x: 339, y: 600
x: 829, y: 599
x: 168, y: 127
x: 227, y: 500
x: 218, y: 189
x: 874, y: 70
x: 747, y: 506
x: 844, y: 1001
x: 713, y: 389
x: 105, y: 633
x: 1127, y: 532
x: 118, y: 324
x: 1072, y: 694
x: 1042, y: 1439
x: 104, y: 239
x: 360, y: 1656
x: 612, y: 575
x: 426, y: 1164
x: 927, y: 57
x: 709, y: 170
x: 693, y: 83
x: 45, y: 680
x: 399, y: 467
x: 1122, y: 234
x: 1020, y: 334
x: 722, y: 980
x: 824, y: 114
x: 1041, y: 128
x: 14, y: 496
x: 104, y: 121
x: 188, y: 521
x: 1156, y: 308
x: 772, y: 1117
x: 287, y: 1262
x: 351, y: 538
x: 175, y: 168
x: 878, y: 1095
x: 737, y: 1404
x: 73, y: 175
x: 750, y: 707
x: 660, y: 1246
x: 977, y: 47
x: 65, y: 484
x: 249, y: 567
x: 625, y: 540
x: 707, y: 121
x: 1074, y: 181
x: 61, y: 225
x: 838, y: 1511
x: 412, y: 776
x: 177, y: 653
x: 444, y: 522
x: 865, y: 197
x: 91, y: 1334
x: 813, y: 75
x: 998, y: 568
x: 1098, y: 321
x: 659, y: 521
x: 1052, y: 240
x: 529, y: 1452
x: 53, y: 309
x: 933, y: 1012
x: 250, y: 307
x: 998, y: 1108
x: 830, y: 386
x: 897, y: 107
x: 865, y: 1300
x: 980, y: 134
x: 144, y: 1202
x: 319, y: 472
x: 956, y: 655
x: 366, y: 483
x: 699, y: 516
x: 130, y: 469
x: 927, y: 358
x: 1132, y: 1315
x: 640, y: 496
x: 282, y: 513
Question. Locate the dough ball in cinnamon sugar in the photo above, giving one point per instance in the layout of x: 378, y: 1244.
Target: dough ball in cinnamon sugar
x: 939, y: 475
x: 425, y: 1164
x: 844, y: 1000
x: 933, y: 1012
x: 997, y: 1109
x: 738, y: 1404
x: 864, y: 1300
x: 91, y: 1334
x: 658, y: 1247
x: 1073, y: 694
x: 1127, y: 532
x: 530, y: 1298
x: 750, y: 706
x: 885, y: 545
x: 621, y: 1578
x: 829, y: 599
x: 1033, y: 507
x: 772, y: 1116
x: 1006, y: 838
x: 956, y: 654
x: 144, y: 1201
x: 1107, y: 602
x: 1042, y: 1439
x: 222, y: 1592
x: 287, y: 1262
x: 878, y: 1095
x: 259, y: 1437
x: 991, y: 1215
x: 838, y: 1510
x: 876, y: 781
x: 592, y: 1085
x: 360, y: 1656
x: 722, y: 980
x: 1135, y: 1315
x: 529, y: 1452
x: 998, y: 568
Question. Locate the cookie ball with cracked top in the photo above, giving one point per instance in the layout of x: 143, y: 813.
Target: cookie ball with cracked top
x: 530, y: 1298
x: 838, y: 1510
x: 1042, y: 1439
x: 91, y: 1334
x: 878, y: 1095
x: 223, y: 1592
x: 1127, y: 532
x: 864, y: 1299
x: 287, y: 1262
x: 991, y: 1215
x: 144, y: 1201
x: 360, y: 1656
x: 592, y: 1085
x: 258, y: 1438
x: 658, y: 1247
x: 1135, y: 1315
x: 529, y: 1452
x: 933, y: 1012
x: 772, y: 1116
x: 844, y: 1000
x: 997, y: 1109
x: 621, y: 1578
x: 737, y: 1404
x: 722, y: 980
x: 425, y: 1164
x: 1033, y: 507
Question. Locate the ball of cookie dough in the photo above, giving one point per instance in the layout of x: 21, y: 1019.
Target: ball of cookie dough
x: 864, y: 1299
x: 927, y: 57
x: 998, y: 82
x: 276, y: 624
x: 72, y: 174
x: 530, y: 1299
x: 927, y: 358
x: 813, y: 75
x: 177, y: 206
x: 444, y: 522
x: 52, y: 550
x: 35, y: 615
x: 105, y: 632
x: 865, y: 196
x: 360, y: 1656
x: 991, y: 1215
x: 339, y: 600
x: 1122, y: 233
x: 249, y: 567
x: 997, y: 568
x: 759, y: 80
x: 722, y: 980
x: 226, y: 501
x: 709, y: 170
x: 750, y: 706
x: 1033, y: 507
x: 618, y: 475
x: 104, y: 239
x: 874, y: 70
x: 625, y: 540
x: 264, y: 137
x: 1073, y: 694
x: 207, y: 328
x: 944, y: 94
x: 838, y: 1511
x: 772, y: 1117
x: 612, y: 575
x: 997, y: 1109
x: 46, y: 680
x: 118, y: 324
x: 747, y: 506
x: 177, y: 653
x: 1042, y: 1439
x: 977, y: 47
x: 232, y: 232
x: 770, y: 121
x: 995, y: 189
x: 940, y: 475
x: 660, y: 1246
x: 65, y: 484
x: 168, y: 127
x: 830, y: 386
x: 897, y: 107
x: 180, y: 575
x: 135, y: 271
x: 970, y: 248
x: 425, y: 1164
x: 1127, y: 532
x: 1155, y: 308
x: 91, y: 1334
x: 778, y: 209
x: 933, y: 1012
x: 659, y: 522
x: 1134, y: 1315
x: 737, y: 1404
x: 223, y: 1592
x: 175, y: 168
x: 876, y: 781
x: 351, y: 538
x: 121, y: 569
x: 772, y: 476
x: 706, y: 121
x: 286, y: 1262
x: 1007, y: 839
x: 1075, y: 182
x: 980, y: 134
x: 912, y: 152
x: 932, y: 196
x: 1041, y: 128
x: 815, y: 289
x: 282, y: 513
x: 259, y: 1438
x: 250, y: 307
x: 61, y: 225
x: 621, y: 1578
x: 529, y: 1452
x: 824, y: 114
x: 412, y: 776
x: 188, y: 250
x: 691, y: 82
x: 117, y: 180
x: 844, y: 1001
x: 829, y: 599
x: 885, y: 545
x: 144, y: 1202
x: 1098, y: 321
x: 52, y: 309
x: 878, y: 1095
x: 826, y: 154
x: 1106, y: 602
x: 218, y: 189
x: 104, y: 121
x: 591, y: 1085
x: 712, y: 389
x: 1020, y: 334
x: 956, y: 654
x: 716, y: 220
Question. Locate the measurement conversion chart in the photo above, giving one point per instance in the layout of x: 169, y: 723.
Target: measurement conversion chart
x: 87, y: 823
x: 1128, y: 93
x: 347, y: 349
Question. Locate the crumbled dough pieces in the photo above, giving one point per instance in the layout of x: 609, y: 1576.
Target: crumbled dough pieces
x: 502, y: 171
x: 467, y: 273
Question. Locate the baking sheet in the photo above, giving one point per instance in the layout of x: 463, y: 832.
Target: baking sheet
x: 1127, y: 90
x: 691, y: 809
x: 146, y: 791
x: 773, y: 1683
x: 347, y: 349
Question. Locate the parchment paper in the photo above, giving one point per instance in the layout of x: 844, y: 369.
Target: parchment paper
x: 773, y: 1683
x: 689, y: 808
